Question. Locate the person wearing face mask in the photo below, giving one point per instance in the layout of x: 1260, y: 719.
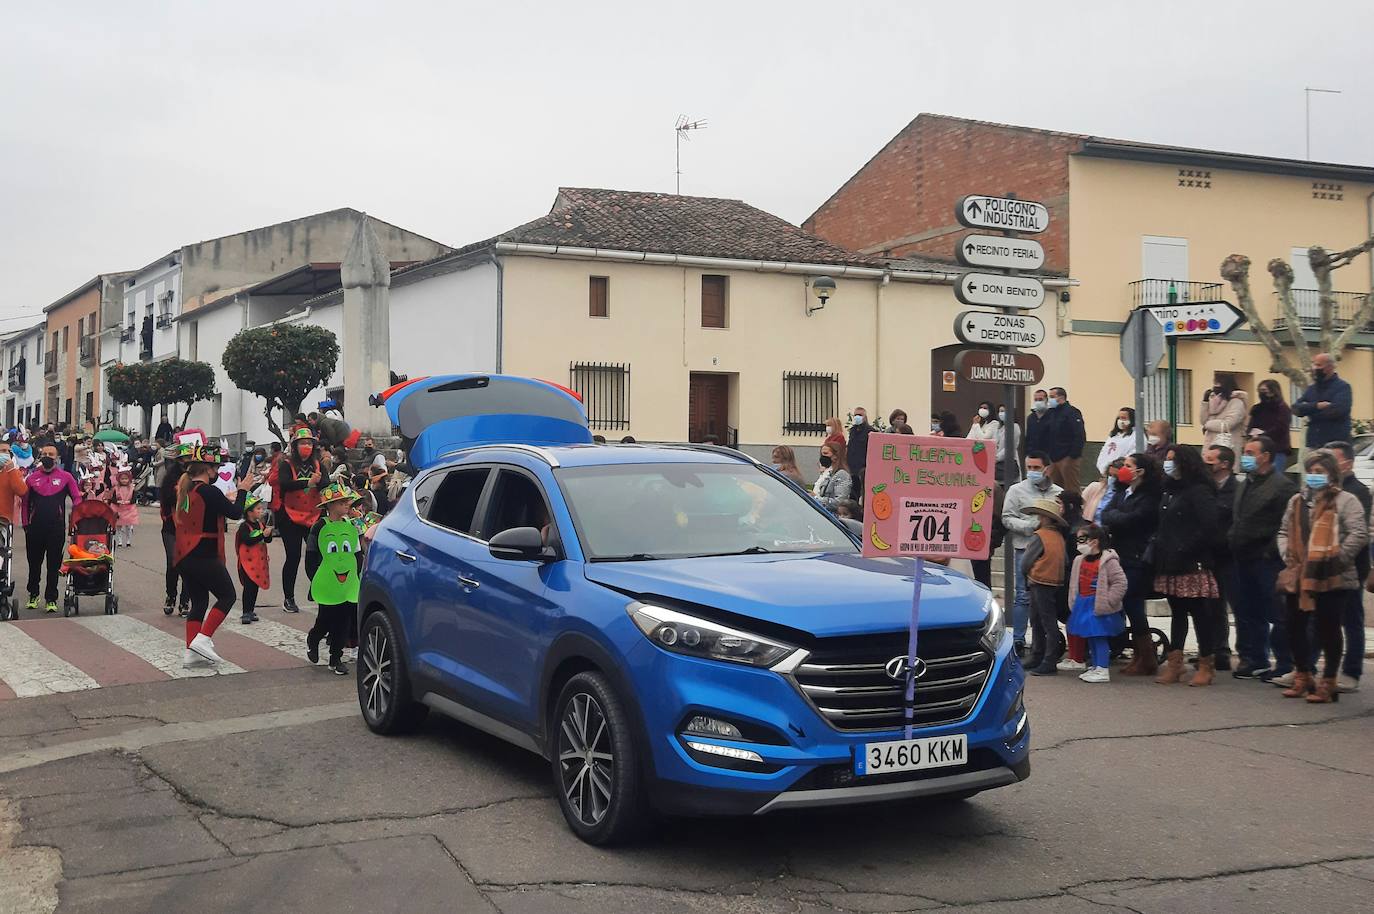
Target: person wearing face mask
x: 296, y: 480
x: 1272, y: 417
x: 1098, y: 585
x: 1352, y: 617
x: 1187, y: 534
x: 1256, y: 514
x: 1131, y: 518
x: 857, y: 450
x: 1219, y: 461
x: 836, y: 482
x: 984, y: 425
x: 1021, y: 526
x: 1323, y: 531
x: 1120, y: 441
x: 45, y: 522
x: 1325, y: 404
x: 1069, y: 440
x: 1159, y: 438
x: 12, y: 485
x: 897, y: 418
x: 1040, y: 424
x: 834, y: 430
x: 1224, y: 412
x: 1005, y: 428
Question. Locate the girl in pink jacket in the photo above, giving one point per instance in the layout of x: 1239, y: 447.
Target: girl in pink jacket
x: 1098, y: 586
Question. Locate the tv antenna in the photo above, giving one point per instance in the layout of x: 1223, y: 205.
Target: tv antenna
x: 682, y: 129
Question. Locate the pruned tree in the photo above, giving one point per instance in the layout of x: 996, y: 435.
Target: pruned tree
x: 281, y: 363
x: 1292, y: 357
x: 135, y: 384
x: 184, y: 381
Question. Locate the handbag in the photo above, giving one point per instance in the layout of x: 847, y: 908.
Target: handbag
x: 1224, y: 439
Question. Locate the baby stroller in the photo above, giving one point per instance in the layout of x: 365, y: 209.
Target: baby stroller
x: 9, y: 603
x: 1125, y: 642
x: 89, y: 564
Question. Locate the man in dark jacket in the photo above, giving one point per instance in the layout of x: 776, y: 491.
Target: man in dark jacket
x: 1068, y: 439
x: 1220, y: 461
x: 1261, y: 500
x: 1352, y: 617
x: 857, y: 452
x: 1040, y: 424
x: 1326, y: 404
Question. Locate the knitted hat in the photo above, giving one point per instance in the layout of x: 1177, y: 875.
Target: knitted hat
x: 1048, y: 507
x: 335, y: 491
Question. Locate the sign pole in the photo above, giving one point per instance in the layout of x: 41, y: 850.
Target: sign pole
x: 1173, y: 386
x: 1140, y: 386
x: 910, y: 707
x: 1009, y: 466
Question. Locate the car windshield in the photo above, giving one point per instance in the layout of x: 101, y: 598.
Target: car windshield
x: 647, y: 511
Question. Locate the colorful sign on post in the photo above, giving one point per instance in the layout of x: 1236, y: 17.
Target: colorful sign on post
x: 928, y: 497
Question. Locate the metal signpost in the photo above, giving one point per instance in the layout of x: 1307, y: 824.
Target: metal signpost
x: 1010, y: 326
x: 1189, y: 319
x: 1142, y: 346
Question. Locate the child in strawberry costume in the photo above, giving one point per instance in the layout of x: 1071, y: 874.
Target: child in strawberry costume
x: 251, y: 545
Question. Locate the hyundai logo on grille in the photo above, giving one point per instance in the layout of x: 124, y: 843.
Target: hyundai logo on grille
x: 898, y: 667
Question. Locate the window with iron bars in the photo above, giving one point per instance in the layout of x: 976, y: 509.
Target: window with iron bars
x: 605, y: 391
x: 808, y: 399
x: 1157, y: 396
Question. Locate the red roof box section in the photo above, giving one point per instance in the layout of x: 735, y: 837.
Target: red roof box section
x: 442, y: 414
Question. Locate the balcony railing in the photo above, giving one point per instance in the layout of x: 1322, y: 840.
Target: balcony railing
x: 50, y: 362
x: 1172, y: 291
x: 1307, y: 302
x: 126, y: 335
x: 87, y: 350
x: 15, y: 377
x: 164, y: 320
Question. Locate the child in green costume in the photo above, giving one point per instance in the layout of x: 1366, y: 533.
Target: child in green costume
x: 331, y: 561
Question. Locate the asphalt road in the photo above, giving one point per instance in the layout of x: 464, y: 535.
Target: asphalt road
x: 136, y: 789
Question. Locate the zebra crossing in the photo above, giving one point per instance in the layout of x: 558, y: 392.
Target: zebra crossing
x: 50, y: 655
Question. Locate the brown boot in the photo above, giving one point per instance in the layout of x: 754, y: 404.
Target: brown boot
x: 1173, y: 669
x: 1326, y: 692
x: 1206, y: 672
x: 1302, y: 684
x: 1143, y: 662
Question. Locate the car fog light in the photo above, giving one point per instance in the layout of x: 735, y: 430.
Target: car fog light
x: 743, y: 755
x: 709, y: 726
x: 668, y: 635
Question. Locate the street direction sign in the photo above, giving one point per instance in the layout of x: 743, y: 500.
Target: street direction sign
x: 1002, y: 213
x: 992, y: 367
x: 986, y: 328
x: 998, y: 291
x: 1204, y: 318
x: 1142, y: 345
x: 1000, y: 253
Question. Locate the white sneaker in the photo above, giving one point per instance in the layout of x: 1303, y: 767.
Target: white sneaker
x: 1346, y: 683
x: 191, y: 660
x: 1070, y: 666
x: 1096, y: 674
x: 1284, y: 682
x: 203, y: 646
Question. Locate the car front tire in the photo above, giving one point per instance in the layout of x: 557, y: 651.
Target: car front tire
x: 383, y: 682
x: 595, y: 763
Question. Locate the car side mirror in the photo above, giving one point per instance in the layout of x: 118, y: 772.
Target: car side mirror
x: 520, y: 544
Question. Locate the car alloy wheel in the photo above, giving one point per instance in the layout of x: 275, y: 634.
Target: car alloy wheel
x: 586, y: 760
x: 377, y: 674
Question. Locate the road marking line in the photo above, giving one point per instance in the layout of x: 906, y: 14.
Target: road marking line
x: 163, y: 650
x: 30, y: 669
x: 283, y: 637
x: 144, y: 737
x: 89, y: 652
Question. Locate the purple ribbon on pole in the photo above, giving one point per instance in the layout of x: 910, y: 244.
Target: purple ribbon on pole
x: 911, y: 646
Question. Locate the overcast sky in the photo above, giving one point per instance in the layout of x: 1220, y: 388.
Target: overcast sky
x: 128, y: 129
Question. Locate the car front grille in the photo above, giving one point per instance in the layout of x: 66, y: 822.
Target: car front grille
x: 846, y: 679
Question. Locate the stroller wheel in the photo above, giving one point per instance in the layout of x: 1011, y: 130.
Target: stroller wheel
x: 1161, y: 643
x: 111, y: 605
x: 9, y: 610
x: 69, y: 607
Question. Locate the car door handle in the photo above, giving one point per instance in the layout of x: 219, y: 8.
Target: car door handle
x: 468, y: 582
x: 405, y: 556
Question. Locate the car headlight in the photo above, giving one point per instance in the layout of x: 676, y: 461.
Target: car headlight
x: 995, y: 626
x: 684, y: 634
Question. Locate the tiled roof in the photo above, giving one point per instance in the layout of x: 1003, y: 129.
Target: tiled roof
x: 672, y: 224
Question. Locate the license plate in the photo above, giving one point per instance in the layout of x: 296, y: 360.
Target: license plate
x: 911, y: 754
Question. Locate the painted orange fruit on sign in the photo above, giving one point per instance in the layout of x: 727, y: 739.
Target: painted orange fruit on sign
x: 882, y: 503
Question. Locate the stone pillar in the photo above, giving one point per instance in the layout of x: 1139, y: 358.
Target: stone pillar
x: 366, y: 343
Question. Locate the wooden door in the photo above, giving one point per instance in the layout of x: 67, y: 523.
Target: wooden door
x: 708, y: 403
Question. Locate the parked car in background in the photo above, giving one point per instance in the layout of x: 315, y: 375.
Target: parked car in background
x: 1364, y: 459
x: 677, y: 630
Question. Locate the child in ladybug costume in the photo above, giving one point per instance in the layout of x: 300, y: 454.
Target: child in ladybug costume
x: 331, y: 560
x: 250, y: 544
x: 296, y: 480
x: 199, y: 515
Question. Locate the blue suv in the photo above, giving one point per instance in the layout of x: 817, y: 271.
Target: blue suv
x: 677, y: 630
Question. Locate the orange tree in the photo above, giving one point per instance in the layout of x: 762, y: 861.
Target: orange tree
x: 151, y: 384
x: 281, y: 363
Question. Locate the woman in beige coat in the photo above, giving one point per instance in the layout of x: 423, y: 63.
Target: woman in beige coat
x: 1223, y: 415
x: 1323, y: 530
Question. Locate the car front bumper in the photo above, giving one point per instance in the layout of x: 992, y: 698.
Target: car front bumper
x: 804, y: 761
